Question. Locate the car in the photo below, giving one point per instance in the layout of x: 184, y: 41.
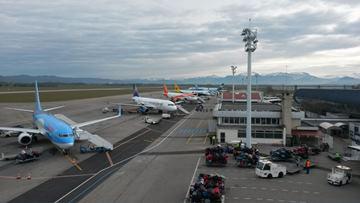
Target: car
x: 105, y: 110
x: 340, y: 175
x: 165, y: 116
x: 151, y: 120
x: 281, y: 154
x: 268, y: 169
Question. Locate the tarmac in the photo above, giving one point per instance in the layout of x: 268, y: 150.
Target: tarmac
x: 51, y: 165
x: 152, y: 163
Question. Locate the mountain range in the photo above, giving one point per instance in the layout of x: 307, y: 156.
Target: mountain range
x: 261, y: 79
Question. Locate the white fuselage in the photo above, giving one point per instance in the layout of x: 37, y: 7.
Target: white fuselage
x: 158, y: 104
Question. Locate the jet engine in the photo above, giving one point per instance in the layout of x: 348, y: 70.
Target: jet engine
x: 24, y: 138
x: 143, y: 109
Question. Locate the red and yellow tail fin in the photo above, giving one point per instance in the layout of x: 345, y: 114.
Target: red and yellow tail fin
x: 177, y: 88
x: 165, y: 90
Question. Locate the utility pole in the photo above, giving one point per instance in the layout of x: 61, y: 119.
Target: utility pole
x: 250, y: 46
x: 233, y: 69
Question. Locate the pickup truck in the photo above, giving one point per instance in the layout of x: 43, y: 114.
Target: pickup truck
x: 268, y: 169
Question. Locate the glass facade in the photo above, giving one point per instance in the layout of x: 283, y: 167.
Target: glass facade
x: 254, y: 121
x: 267, y: 134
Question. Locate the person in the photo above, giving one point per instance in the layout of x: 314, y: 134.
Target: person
x: 307, y: 166
x: 213, y: 139
x: 297, y: 161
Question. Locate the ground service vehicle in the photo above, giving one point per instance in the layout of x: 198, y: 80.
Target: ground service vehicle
x: 27, y: 156
x: 215, y: 156
x: 268, y: 169
x: 151, y: 120
x: 166, y: 116
x: 340, y: 175
x: 91, y: 149
x: 208, y: 188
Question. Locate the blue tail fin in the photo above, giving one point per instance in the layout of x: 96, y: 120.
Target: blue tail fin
x: 135, y: 93
x: 37, y: 98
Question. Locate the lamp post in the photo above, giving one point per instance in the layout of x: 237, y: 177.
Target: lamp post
x: 233, y: 69
x: 250, y: 46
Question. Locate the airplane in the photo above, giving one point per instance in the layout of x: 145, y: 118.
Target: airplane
x: 146, y: 104
x: 212, y: 90
x: 60, y: 130
x: 274, y: 100
x: 192, y: 91
x: 175, y: 96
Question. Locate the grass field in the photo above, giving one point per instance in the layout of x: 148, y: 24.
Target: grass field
x: 69, y: 95
x: 30, y: 87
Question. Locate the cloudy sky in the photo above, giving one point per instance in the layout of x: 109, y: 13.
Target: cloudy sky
x: 172, y: 39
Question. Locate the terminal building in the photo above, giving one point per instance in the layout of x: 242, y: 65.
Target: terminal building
x: 271, y: 123
x: 354, y: 132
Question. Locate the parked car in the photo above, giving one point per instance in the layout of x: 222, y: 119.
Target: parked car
x: 281, y: 154
x: 340, y: 175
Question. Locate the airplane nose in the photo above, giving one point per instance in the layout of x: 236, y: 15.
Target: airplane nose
x: 67, y: 145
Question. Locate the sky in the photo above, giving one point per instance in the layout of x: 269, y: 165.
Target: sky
x: 119, y: 39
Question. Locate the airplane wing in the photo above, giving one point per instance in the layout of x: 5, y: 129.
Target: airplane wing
x: 66, y: 119
x: 17, y: 109
x: 27, y: 130
x: 79, y: 125
x: 138, y: 105
x: 201, y: 99
x: 53, y: 108
x: 135, y: 105
x: 182, y: 109
x: 31, y: 111
x: 93, y: 138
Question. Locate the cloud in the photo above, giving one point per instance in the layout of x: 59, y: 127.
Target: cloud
x: 139, y: 39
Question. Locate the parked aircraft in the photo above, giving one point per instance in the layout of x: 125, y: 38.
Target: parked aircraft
x: 192, y: 91
x: 211, y: 90
x: 60, y: 130
x: 274, y: 100
x: 175, y: 96
x: 146, y: 104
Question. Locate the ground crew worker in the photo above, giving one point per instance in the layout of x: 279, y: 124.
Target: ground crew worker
x: 307, y: 166
x: 213, y: 140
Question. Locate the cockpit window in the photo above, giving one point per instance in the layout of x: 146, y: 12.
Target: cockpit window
x: 171, y: 105
x: 65, y: 135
